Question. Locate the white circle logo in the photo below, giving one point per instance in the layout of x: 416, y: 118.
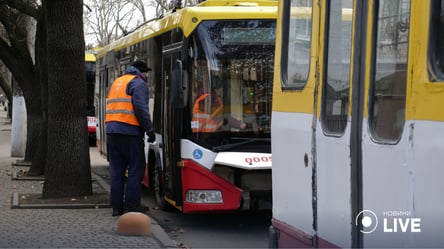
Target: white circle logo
x: 368, y: 220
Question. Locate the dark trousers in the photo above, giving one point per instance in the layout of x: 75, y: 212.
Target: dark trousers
x: 125, y: 152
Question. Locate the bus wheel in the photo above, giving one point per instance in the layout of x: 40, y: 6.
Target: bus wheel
x: 159, y: 189
x: 92, y: 141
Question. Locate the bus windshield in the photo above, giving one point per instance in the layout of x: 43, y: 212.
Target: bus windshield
x: 90, y: 68
x: 231, y: 75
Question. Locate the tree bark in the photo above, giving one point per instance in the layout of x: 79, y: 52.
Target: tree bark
x: 68, y: 169
x: 38, y: 154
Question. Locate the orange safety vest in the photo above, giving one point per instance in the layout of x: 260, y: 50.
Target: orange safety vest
x: 119, y: 106
x: 204, y: 122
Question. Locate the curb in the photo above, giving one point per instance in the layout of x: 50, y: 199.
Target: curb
x: 16, y: 205
x: 156, y: 229
x: 24, y: 163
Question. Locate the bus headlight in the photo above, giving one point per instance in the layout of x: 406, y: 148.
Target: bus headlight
x: 204, y: 196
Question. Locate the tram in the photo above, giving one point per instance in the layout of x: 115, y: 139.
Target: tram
x: 213, y: 150
x: 358, y: 124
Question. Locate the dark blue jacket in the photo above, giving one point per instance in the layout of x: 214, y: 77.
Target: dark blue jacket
x: 138, y: 89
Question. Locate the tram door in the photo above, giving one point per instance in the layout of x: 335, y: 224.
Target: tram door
x: 332, y: 168
x: 172, y: 126
x: 387, y: 169
x: 368, y: 160
x: 361, y: 139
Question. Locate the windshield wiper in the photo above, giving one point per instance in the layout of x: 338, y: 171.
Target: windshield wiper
x: 233, y: 145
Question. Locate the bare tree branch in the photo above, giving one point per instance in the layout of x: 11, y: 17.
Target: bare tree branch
x: 110, y: 19
x: 28, y: 7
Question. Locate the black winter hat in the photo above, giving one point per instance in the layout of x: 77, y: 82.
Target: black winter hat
x: 141, y: 66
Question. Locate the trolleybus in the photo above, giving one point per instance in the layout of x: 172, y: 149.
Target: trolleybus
x: 358, y: 124
x: 90, y: 68
x: 210, y: 102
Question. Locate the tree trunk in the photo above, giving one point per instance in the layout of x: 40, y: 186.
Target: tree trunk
x: 6, y: 87
x: 68, y: 169
x: 19, y: 58
x: 38, y: 155
x: 18, y: 132
x: 36, y: 141
x: 31, y: 92
x: 5, y: 84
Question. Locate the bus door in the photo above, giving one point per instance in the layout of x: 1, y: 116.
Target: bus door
x: 172, y: 125
x: 101, y: 93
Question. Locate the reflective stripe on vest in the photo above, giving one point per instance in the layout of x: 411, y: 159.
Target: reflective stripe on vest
x: 119, y: 106
x: 204, y: 122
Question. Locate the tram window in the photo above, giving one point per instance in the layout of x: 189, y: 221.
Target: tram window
x: 388, y: 86
x: 296, y: 41
x: 437, y: 41
x: 336, y: 87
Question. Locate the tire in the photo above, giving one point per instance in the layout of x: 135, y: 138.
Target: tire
x: 151, y: 165
x: 92, y: 141
x: 159, y: 190
x: 272, y: 237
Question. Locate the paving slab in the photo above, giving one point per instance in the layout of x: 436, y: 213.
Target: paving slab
x: 58, y: 225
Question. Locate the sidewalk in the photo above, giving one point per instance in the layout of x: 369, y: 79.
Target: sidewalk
x: 59, y: 228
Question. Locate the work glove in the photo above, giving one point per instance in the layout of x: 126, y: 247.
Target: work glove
x: 151, y: 137
x: 246, y: 125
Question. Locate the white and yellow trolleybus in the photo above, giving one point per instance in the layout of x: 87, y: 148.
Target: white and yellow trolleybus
x: 90, y: 68
x: 193, y: 50
x: 358, y: 124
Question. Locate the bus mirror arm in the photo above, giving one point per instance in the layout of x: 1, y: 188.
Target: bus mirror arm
x: 183, y: 83
x: 185, y: 87
x: 179, y: 86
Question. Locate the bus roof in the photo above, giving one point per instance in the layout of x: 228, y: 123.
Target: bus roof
x: 239, y: 3
x: 188, y: 18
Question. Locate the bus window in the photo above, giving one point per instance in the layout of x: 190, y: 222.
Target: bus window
x: 388, y: 86
x: 90, y: 68
x: 337, y: 82
x: 296, y: 40
x: 437, y: 41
